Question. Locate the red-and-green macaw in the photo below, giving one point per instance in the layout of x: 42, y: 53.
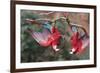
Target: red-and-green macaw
x: 79, y: 39
x: 50, y: 35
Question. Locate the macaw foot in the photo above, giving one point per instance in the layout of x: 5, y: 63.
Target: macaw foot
x: 72, y: 51
x: 55, y: 48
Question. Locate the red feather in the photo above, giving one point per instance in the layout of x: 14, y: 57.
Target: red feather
x: 76, y: 42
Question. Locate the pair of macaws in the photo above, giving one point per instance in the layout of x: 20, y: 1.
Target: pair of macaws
x: 50, y: 36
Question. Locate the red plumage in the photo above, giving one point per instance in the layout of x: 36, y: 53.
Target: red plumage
x: 76, y: 42
x: 47, y: 38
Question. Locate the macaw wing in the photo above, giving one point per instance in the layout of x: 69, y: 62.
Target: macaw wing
x: 41, y: 37
x: 80, y: 29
